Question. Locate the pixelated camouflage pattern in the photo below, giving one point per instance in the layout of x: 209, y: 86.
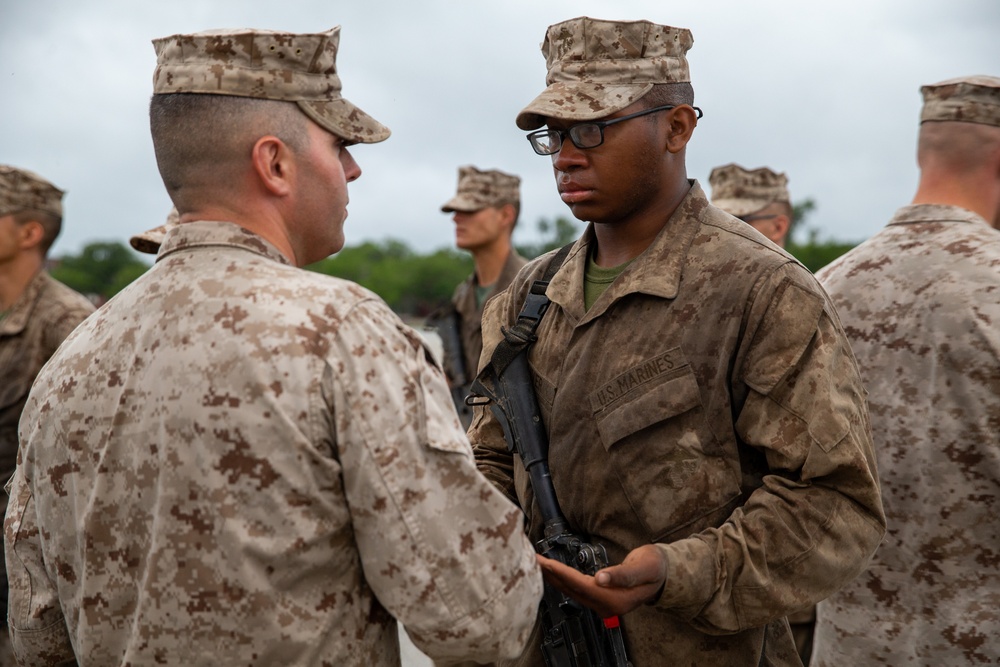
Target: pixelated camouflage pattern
x: 264, y: 64
x: 32, y: 329
x: 478, y: 189
x: 598, y: 67
x: 23, y: 190
x: 256, y: 465
x: 920, y: 301
x: 150, y: 240
x: 968, y: 99
x: 708, y: 402
x: 739, y: 191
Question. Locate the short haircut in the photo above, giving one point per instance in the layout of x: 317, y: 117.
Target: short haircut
x: 199, y: 137
x: 958, y: 147
x: 663, y: 94
x: 51, y: 226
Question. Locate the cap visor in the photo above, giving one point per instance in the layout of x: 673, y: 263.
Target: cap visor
x: 579, y: 101
x: 345, y: 120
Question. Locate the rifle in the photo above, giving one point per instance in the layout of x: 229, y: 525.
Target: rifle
x: 446, y: 322
x: 573, y: 635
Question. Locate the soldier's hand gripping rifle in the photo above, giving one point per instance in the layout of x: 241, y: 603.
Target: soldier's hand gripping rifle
x: 573, y: 635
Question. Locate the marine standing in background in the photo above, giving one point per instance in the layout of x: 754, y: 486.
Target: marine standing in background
x: 758, y: 197
x: 237, y: 461
x: 36, y: 314
x: 706, y: 421
x: 485, y: 208
x: 921, y: 303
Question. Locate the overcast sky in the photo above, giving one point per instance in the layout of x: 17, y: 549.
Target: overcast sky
x: 827, y: 92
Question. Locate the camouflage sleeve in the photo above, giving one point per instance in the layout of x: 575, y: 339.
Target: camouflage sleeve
x: 34, y: 618
x: 443, y: 551
x: 816, y: 518
x: 493, y: 458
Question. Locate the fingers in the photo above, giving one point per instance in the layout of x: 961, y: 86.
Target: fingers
x: 615, y: 590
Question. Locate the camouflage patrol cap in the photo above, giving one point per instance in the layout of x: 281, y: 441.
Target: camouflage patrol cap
x: 597, y: 67
x: 299, y: 68
x: 23, y: 190
x: 966, y: 99
x: 479, y: 189
x: 739, y: 191
x: 150, y: 240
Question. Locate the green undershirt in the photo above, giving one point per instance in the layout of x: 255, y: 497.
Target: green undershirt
x: 482, y: 291
x: 596, y: 280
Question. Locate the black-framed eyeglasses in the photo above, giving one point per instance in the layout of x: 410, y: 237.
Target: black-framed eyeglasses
x: 585, y: 135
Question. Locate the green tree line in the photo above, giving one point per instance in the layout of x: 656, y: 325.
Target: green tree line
x: 410, y: 282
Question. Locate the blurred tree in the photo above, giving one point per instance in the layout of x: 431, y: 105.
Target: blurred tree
x: 554, y: 234
x: 102, y: 269
x: 410, y: 283
x: 813, y: 253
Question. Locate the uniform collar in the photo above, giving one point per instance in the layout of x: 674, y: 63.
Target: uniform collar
x: 657, y: 271
x: 208, y: 233
x: 916, y: 213
x: 18, y: 315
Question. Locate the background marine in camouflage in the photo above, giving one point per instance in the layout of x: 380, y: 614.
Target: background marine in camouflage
x: 485, y: 207
x: 921, y: 303
x: 758, y: 197
x: 237, y: 461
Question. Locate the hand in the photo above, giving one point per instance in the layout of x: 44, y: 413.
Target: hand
x: 615, y: 590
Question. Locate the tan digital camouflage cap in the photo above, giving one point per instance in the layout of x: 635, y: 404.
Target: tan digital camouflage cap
x: 479, y: 189
x: 266, y: 65
x: 150, y: 240
x: 23, y: 190
x: 739, y: 191
x: 967, y: 99
x: 596, y: 67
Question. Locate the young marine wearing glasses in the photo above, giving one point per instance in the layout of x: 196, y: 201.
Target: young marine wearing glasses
x: 705, y: 417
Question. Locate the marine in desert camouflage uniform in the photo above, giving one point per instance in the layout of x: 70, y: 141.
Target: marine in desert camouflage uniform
x: 758, y: 197
x: 921, y: 303
x: 485, y: 209
x: 705, y: 416
x: 238, y: 462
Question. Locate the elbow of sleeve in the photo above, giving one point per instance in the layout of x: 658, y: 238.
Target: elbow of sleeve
x: 499, y: 629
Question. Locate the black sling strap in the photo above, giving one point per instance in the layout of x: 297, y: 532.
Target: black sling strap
x: 522, y: 334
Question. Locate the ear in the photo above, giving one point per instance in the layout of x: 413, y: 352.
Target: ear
x: 31, y: 234
x: 780, y: 224
x: 683, y: 120
x: 274, y: 165
x: 507, y: 215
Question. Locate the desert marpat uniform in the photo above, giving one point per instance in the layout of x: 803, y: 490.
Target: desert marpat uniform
x: 921, y: 303
x: 29, y: 333
x: 293, y: 473
x: 707, y: 402
x: 471, y: 313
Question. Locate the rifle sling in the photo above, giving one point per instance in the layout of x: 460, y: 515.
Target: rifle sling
x: 522, y: 334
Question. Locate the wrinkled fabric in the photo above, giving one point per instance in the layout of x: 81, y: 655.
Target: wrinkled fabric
x: 238, y: 462
x: 920, y: 302
x: 708, y: 402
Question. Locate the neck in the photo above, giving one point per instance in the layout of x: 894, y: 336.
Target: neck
x: 258, y: 218
x: 490, y: 261
x: 625, y: 239
x: 16, y: 275
x: 978, y: 192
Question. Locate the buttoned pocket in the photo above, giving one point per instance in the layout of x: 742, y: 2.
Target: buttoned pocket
x: 673, y: 472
